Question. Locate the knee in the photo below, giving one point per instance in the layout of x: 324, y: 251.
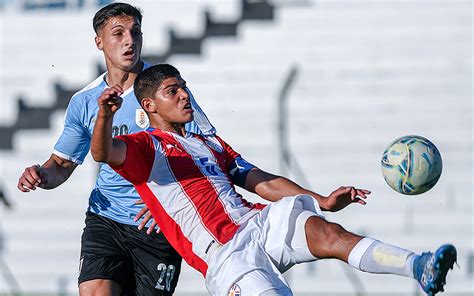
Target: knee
x: 319, y: 229
x: 323, y: 237
x: 333, y: 233
x: 98, y: 287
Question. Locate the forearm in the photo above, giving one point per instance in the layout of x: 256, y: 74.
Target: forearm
x: 273, y: 188
x: 58, y: 170
x: 104, y: 148
x: 276, y: 187
x: 102, y: 141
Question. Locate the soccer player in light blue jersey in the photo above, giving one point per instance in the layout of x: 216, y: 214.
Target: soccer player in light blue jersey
x: 116, y: 256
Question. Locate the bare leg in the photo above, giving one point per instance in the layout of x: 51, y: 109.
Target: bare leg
x: 329, y: 240
x: 99, y: 287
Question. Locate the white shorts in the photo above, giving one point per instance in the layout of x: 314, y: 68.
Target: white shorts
x: 262, y: 249
x: 260, y: 282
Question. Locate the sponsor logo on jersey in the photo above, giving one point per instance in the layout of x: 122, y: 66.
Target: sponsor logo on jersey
x: 141, y: 119
x: 214, y: 146
x: 173, y: 146
x: 235, y: 290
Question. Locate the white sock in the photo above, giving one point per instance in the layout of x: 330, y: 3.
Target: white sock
x: 373, y: 256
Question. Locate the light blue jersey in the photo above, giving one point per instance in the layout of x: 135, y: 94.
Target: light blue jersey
x: 113, y: 197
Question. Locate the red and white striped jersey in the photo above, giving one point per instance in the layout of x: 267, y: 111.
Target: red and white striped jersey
x: 186, y: 184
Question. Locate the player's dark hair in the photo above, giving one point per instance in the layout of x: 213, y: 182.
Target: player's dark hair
x: 112, y: 10
x: 147, y: 82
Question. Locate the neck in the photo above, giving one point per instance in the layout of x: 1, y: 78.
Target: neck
x: 176, y: 128
x: 123, y: 78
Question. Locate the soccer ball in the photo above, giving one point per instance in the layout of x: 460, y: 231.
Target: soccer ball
x: 411, y: 165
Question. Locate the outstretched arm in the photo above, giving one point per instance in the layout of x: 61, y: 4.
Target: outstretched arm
x: 273, y: 188
x: 104, y: 148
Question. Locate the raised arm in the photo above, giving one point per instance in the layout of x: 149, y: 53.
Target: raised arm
x: 104, y: 148
x: 273, y: 188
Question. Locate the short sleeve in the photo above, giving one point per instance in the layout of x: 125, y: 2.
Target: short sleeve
x: 237, y: 167
x: 139, y: 159
x: 229, y: 153
x: 74, y: 142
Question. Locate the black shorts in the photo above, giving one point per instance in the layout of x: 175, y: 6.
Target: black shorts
x: 141, y: 264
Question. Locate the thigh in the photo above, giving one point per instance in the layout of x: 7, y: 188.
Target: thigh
x: 157, y: 265
x: 260, y: 282
x: 103, y: 257
x: 284, y: 228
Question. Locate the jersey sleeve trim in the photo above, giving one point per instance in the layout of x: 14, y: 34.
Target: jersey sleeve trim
x: 239, y: 169
x: 67, y: 157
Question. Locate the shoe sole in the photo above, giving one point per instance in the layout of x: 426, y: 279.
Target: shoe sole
x: 445, y: 257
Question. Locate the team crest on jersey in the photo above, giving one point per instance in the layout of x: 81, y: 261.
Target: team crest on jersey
x: 141, y: 119
x: 235, y: 290
x: 214, y: 146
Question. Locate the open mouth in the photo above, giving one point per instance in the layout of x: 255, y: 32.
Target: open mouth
x: 188, y: 107
x: 129, y: 53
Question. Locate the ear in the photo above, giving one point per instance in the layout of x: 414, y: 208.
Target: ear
x: 98, y: 43
x: 148, y: 105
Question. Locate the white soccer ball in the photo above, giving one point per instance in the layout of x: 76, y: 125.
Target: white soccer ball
x: 411, y: 165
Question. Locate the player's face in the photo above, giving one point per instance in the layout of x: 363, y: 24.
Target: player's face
x: 121, y: 41
x: 172, y: 101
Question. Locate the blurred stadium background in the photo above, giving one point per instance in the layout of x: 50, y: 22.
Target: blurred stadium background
x: 312, y: 89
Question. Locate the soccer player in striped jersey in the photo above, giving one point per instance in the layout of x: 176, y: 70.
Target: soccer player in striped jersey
x: 187, y: 180
x: 116, y: 257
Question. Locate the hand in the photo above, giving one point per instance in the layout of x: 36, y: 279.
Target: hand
x: 344, y: 196
x: 145, y: 212
x: 110, y: 101
x: 32, y: 178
